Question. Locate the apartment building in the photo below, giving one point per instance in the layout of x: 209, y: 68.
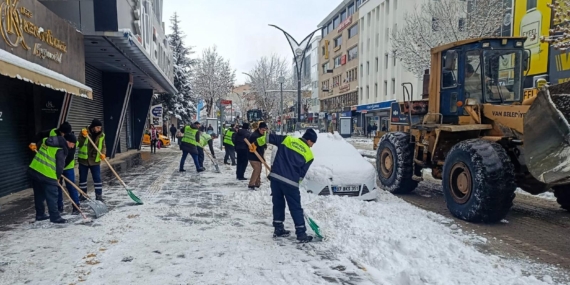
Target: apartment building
x: 338, y: 61
x: 382, y: 74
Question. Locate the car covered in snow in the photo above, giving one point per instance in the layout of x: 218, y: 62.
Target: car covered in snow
x: 338, y: 169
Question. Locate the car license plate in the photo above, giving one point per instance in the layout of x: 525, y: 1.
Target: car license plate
x: 345, y: 189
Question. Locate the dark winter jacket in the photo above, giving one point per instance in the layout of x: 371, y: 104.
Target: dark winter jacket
x: 239, y: 139
x: 190, y: 147
x: 45, y: 134
x: 289, y: 166
x: 260, y: 149
x: 57, y: 141
x: 173, y: 130
x: 92, y: 153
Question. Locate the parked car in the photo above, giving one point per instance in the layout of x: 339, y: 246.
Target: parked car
x: 338, y: 169
x: 162, y: 140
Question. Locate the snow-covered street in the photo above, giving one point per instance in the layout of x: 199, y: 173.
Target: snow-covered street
x: 209, y: 229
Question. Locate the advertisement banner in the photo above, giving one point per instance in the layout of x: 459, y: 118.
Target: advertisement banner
x: 559, y: 68
x: 156, y: 116
x: 532, y: 20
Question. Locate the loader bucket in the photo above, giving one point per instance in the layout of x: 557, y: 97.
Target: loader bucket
x: 547, y: 135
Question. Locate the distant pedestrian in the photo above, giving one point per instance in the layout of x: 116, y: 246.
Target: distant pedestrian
x: 368, y: 130
x: 189, y: 145
x: 374, y: 129
x: 242, y: 150
x: 258, y: 142
x: 173, y: 133
x: 153, y: 138
x: 229, y: 136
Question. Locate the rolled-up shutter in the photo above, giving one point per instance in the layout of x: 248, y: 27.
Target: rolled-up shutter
x: 82, y: 110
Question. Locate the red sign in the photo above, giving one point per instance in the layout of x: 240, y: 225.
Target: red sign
x: 345, y: 24
x: 343, y: 60
x: 225, y: 102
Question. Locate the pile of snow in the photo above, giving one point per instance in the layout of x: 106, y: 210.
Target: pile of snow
x: 396, y: 243
x: 546, y: 195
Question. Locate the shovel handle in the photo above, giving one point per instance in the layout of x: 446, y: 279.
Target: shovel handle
x: 108, y: 164
x: 76, y: 188
x: 258, y: 156
x: 72, y: 202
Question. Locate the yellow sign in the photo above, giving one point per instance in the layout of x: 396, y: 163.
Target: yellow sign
x: 326, y: 47
x: 529, y: 93
x: 13, y: 25
x: 533, y: 22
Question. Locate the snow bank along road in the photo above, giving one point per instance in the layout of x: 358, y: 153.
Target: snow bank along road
x: 208, y: 229
x: 535, y: 227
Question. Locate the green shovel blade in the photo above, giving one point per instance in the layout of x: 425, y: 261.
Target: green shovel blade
x: 134, y: 197
x: 314, y: 227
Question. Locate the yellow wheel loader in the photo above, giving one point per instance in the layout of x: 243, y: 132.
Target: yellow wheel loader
x: 477, y: 133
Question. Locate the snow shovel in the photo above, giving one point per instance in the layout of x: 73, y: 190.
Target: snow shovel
x: 314, y: 227
x: 130, y: 192
x: 69, y: 197
x: 213, y: 161
x: 258, y: 156
x: 98, y: 207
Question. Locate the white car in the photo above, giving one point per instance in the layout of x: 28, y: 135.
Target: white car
x: 338, y: 169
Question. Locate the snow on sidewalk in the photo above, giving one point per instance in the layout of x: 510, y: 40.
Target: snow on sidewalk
x: 208, y: 229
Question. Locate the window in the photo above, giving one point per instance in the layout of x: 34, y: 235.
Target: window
x: 357, y: 4
x: 337, y: 61
x: 377, y: 39
x: 368, y: 68
x: 338, y: 41
x: 342, y: 15
x: 375, y: 90
x: 330, y: 27
x: 325, y: 67
x: 350, y: 10
x: 353, y: 31
x: 325, y: 31
x: 449, y: 70
x: 352, y: 53
x: 376, y: 64
x: 336, y: 81
x: 461, y: 25
x: 394, y: 60
x: 386, y: 61
x: 323, y: 51
x: 361, y: 93
x: 336, y: 22
x: 367, y: 92
x: 361, y: 69
x: 395, y: 4
x: 394, y: 86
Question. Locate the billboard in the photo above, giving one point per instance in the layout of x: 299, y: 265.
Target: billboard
x: 156, y: 116
x: 532, y: 20
x: 559, y: 69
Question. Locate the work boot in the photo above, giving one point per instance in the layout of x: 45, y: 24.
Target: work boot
x: 59, y: 220
x: 182, y: 170
x: 233, y: 164
x: 75, y: 212
x: 42, y: 218
x: 99, y: 197
x: 281, y: 232
x: 201, y: 170
x: 60, y: 209
x: 226, y: 163
x: 304, y: 238
x: 251, y: 187
x: 243, y: 179
x: 82, y: 198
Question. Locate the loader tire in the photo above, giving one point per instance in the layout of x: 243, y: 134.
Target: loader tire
x: 562, y: 194
x: 394, y: 163
x: 478, y: 181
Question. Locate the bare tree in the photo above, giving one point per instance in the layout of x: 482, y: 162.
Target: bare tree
x: 214, y: 78
x: 265, y: 76
x: 434, y: 23
x: 559, y: 37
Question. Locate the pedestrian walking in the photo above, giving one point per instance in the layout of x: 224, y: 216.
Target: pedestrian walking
x: 242, y: 151
x: 374, y: 129
x: 189, y: 145
x: 258, y: 141
x: 153, y: 138
x: 368, y: 130
x: 210, y: 129
x: 292, y: 161
x: 45, y: 169
x: 229, y: 136
x: 89, y: 158
x: 69, y: 173
x: 173, y: 131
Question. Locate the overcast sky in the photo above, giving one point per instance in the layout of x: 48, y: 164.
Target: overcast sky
x: 239, y: 28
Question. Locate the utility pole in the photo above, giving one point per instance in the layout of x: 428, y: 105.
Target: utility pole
x: 281, y: 81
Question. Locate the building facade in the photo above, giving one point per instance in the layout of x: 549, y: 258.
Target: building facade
x: 42, y: 68
x: 127, y: 61
x: 338, y: 61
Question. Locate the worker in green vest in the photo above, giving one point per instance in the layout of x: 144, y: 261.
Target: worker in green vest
x: 189, y: 145
x: 257, y: 138
x: 69, y: 173
x: 205, y: 140
x: 89, y: 158
x: 229, y: 136
x: 45, y: 170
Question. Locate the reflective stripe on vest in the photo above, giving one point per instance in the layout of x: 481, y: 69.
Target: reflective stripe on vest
x: 228, y: 137
x: 261, y: 141
x: 44, y: 161
x: 190, y: 136
x: 298, y: 146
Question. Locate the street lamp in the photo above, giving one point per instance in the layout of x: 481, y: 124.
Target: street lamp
x: 281, y: 80
x: 299, y: 50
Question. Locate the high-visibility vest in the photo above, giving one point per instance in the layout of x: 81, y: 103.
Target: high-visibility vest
x: 71, y: 165
x: 83, y: 152
x: 228, y: 137
x: 45, y: 161
x: 204, y: 139
x: 190, y: 136
x: 298, y: 146
x: 261, y: 141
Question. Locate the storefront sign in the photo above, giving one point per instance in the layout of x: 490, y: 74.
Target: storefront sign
x: 344, y: 87
x: 225, y: 102
x: 345, y: 24
x: 374, y: 106
x: 156, y: 115
x: 31, y: 31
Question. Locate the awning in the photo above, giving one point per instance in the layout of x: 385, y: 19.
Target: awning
x: 17, y: 67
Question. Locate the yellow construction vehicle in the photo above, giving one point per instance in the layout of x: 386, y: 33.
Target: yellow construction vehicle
x: 477, y: 133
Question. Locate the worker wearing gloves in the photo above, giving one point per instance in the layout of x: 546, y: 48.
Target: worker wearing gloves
x: 258, y: 141
x: 45, y: 169
x: 90, y: 159
x: 189, y: 145
x: 69, y: 173
x: 292, y: 161
x: 229, y: 136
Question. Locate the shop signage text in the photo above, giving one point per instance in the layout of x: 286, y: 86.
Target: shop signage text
x: 344, y: 87
x: 345, y: 24
x: 374, y: 106
x: 13, y: 25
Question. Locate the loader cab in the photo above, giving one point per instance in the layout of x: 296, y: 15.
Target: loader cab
x: 485, y: 71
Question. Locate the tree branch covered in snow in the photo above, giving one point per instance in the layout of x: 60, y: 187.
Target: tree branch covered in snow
x: 435, y: 23
x: 265, y: 76
x: 559, y: 36
x: 214, y: 78
x: 181, y: 105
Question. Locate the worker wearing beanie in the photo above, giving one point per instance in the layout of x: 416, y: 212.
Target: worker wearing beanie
x: 292, y: 161
x: 241, y: 150
x: 257, y: 138
x: 69, y: 173
x: 90, y: 159
x: 64, y: 128
x: 189, y: 145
